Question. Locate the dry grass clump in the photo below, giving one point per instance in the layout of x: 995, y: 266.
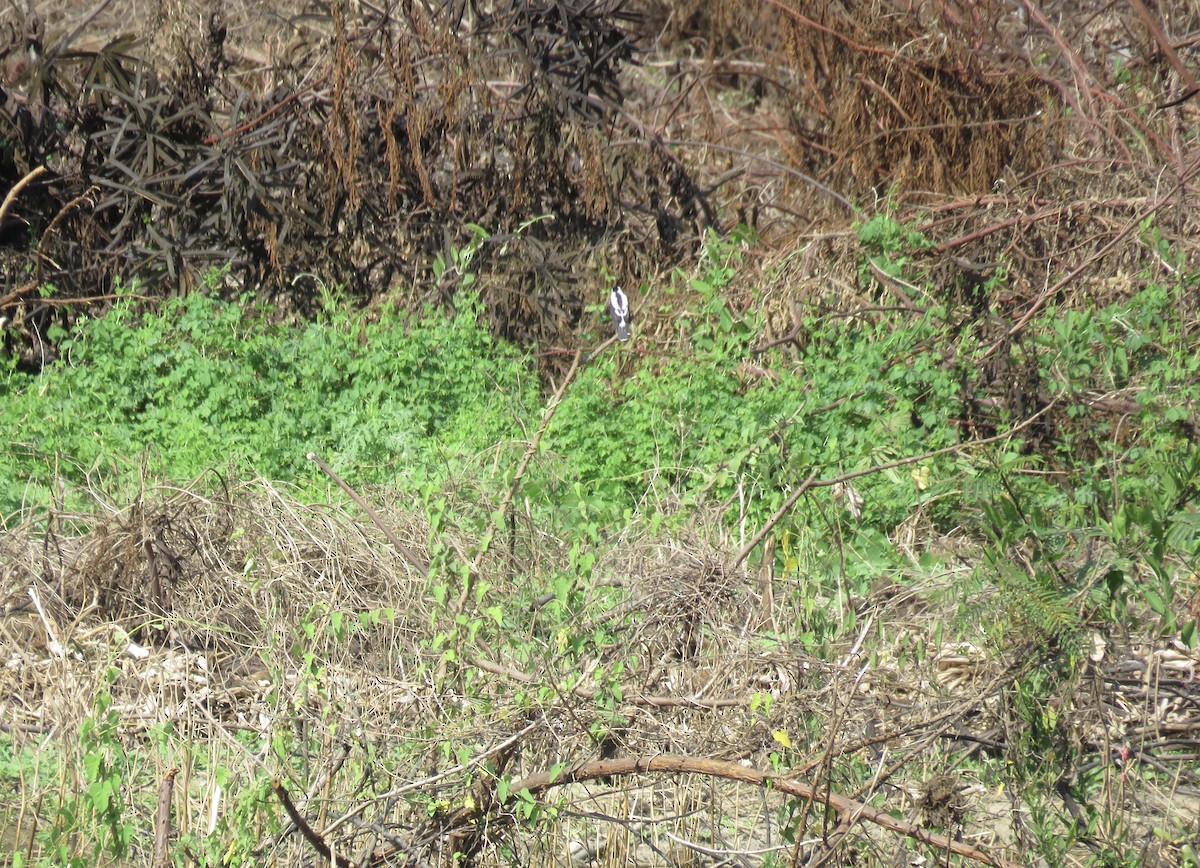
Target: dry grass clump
x: 285, y: 641
x: 192, y: 608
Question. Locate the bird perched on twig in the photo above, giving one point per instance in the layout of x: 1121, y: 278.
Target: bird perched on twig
x: 618, y: 306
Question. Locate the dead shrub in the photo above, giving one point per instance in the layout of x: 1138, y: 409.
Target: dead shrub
x: 358, y: 154
x: 908, y: 100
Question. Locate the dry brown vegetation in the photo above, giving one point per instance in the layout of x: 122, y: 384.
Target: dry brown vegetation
x: 356, y: 141
x: 191, y: 609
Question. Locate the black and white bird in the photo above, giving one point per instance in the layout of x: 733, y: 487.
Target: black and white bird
x: 618, y: 306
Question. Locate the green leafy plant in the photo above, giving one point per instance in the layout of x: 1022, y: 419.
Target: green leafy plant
x: 91, y: 824
x: 889, y: 244
x: 456, y: 263
x: 703, y: 424
x: 204, y: 383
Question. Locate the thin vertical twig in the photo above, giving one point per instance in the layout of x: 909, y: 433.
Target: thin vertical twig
x: 515, y: 485
x: 162, y: 825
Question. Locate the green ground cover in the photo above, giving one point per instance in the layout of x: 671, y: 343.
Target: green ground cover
x: 433, y: 410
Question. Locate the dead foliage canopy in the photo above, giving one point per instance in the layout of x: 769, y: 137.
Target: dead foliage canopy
x: 351, y: 144
x: 357, y: 151
x: 908, y: 106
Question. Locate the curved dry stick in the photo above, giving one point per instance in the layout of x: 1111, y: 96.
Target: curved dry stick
x: 58, y: 218
x: 16, y: 189
x: 6, y: 300
x: 8, y: 201
x: 845, y: 807
x: 310, y: 834
x: 848, y: 809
